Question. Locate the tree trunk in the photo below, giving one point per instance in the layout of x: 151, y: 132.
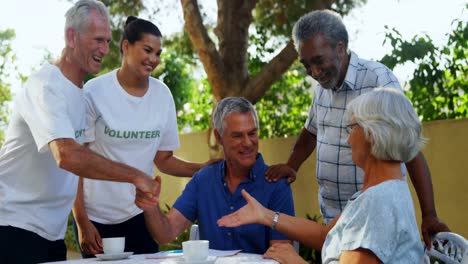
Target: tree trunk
x: 226, y: 66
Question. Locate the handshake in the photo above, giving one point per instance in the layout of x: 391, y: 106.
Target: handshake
x: 147, y: 192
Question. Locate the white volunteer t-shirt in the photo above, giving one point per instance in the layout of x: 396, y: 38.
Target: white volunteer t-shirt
x: 35, y: 194
x: 126, y: 129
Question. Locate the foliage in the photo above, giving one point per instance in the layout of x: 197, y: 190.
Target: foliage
x: 177, y: 76
x: 284, y: 108
x: 277, y: 17
x: 7, y: 60
x: 70, y: 239
x: 439, y: 87
x: 310, y: 255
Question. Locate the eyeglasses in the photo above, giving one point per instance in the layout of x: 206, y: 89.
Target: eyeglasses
x: 350, y: 127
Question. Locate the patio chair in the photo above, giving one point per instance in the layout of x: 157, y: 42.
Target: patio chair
x: 194, y: 235
x: 448, y: 248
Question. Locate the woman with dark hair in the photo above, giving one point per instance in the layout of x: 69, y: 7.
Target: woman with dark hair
x: 131, y: 119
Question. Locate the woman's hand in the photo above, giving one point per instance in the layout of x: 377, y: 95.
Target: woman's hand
x: 252, y: 212
x: 283, y: 253
x: 90, y: 240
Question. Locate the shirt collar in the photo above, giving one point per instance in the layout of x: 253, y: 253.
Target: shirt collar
x: 253, y: 173
x: 351, y: 73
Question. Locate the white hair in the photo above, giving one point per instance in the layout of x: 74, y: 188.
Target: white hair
x: 77, y: 16
x: 389, y: 122
x: 231, y: 105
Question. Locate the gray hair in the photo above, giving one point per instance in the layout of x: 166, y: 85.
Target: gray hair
x: 231, y: 105
x: 389, y: 122
x: 77, y: 16
x: 325, y: 22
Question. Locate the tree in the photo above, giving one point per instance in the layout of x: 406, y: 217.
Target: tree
x: 439, y: 87
x: 226, y: 61
x: 7, y: 59
x: 253, y: 63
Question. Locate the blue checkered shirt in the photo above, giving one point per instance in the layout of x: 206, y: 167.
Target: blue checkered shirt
x: 338, y: 177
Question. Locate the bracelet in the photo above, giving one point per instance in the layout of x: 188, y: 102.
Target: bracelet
x: 275, y: 220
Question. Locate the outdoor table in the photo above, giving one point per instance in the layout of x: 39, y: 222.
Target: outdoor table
x: 141, y: 259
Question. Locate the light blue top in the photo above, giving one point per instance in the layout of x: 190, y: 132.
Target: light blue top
x: 380, y: 219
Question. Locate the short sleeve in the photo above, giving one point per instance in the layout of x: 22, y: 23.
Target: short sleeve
x: 170, y: 136
x: 370, y: 224
x: 46, y: 113
x: 311, y: 122
x: 186, y: 204
x: 91, y: 117
x: 386, y: 78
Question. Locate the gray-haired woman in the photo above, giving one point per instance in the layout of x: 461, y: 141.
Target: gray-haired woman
x: 378, y: 224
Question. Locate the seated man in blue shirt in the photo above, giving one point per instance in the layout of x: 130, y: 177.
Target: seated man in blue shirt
x: 215, y: 190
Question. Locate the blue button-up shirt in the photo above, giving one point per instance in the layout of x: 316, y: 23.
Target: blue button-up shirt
x: 207, y: 198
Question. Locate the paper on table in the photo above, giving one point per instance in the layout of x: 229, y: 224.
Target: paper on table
x: 166, y: 254
x: 223, y: 253
x: 179, y: 253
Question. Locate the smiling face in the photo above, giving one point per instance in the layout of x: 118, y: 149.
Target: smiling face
x: 239, y: 140
x: 327, y: 65
x: 143, y: 56
x: 91, y: 45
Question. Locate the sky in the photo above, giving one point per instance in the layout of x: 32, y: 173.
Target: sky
x: 39, y: 26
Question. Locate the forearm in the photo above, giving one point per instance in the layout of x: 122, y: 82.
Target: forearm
x: 160, y: 226
x: 305, y: 231
x: 421, y: 179
x: 83, y: 162
x: 173, y: 165
x: 78, y: 210
x: 302, y: 149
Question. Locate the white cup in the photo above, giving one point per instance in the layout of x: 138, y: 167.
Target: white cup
x: 195, y: 250
x: 113, y: 245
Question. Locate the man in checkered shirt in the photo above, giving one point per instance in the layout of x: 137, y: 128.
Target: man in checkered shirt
x: 321, y: 40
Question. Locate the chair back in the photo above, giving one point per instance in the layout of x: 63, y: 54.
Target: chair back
x: 450, y: 248
x: 194, y: 235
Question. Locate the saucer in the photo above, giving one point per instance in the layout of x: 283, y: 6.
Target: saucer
x: 114, y: 256
x: 208, y: 260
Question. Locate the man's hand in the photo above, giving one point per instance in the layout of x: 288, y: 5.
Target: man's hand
x: 148, y: 191
x: 278, y: 171
x: 283, y: 253
x: 252, y: 212
x: 430, y: 226
x: 90, y: 240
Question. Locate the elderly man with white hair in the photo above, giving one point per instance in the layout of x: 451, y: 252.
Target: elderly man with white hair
x: 378, y: 224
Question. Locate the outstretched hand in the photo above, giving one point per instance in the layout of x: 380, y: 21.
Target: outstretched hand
x: 252, y: 212
x: 148, y: 195
x: 430, y: 226
x: 278, y: 171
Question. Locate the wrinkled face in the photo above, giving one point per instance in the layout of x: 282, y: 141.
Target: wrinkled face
x: 323, y: 62
x: 91, y: 45
x: 239, y: 140
x: 143, y: 56
x: 360, y: 147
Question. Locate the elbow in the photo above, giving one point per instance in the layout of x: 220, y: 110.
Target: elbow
x: 66, y: 161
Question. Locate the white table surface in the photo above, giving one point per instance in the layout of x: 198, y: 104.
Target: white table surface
x: 141, y: 259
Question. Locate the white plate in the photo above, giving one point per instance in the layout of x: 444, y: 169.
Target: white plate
x: 115, y: 256
x: 209, y: 260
